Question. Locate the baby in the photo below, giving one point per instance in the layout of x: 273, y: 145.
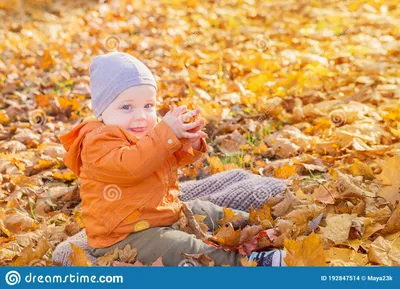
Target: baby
x: 127, y: 162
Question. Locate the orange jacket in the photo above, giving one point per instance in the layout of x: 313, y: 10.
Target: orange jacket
x: 127, y: 184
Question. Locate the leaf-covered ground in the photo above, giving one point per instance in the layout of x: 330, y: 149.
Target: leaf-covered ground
x: 305, y: 91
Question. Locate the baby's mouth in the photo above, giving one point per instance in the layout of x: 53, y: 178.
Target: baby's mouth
x: 138, y: 129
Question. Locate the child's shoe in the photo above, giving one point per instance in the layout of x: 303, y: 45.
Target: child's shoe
x: 269, y: 258
x: 189, y: 263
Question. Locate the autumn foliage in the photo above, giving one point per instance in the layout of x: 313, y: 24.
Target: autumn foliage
x: 304, y: 91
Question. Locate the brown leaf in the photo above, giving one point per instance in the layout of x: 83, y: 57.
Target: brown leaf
x: 248, y: 232
x: 188, y: 223
x: 286, y: 205
x: 29, y: 254
x: 127, y: 255
x: 393, y: 224
x: 302, y: 216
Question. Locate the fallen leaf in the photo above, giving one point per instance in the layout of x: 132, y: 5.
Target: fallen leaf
x: 308, y: 252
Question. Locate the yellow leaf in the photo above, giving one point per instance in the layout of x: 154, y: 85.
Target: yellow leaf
x: 348, y: 256
x: 360, y: 169
x: 390, y: 174
x: 384, y: 253
x: 338, y: 227
x: 393, y: 224
x: 4, y: 118
x: 261, y: 216
x: 308, y: 252
x: 78, y: 257
x: 29, y: 254
x: 285, y: 172
x: 47, y: 60
x: 246, y: 263
x: 65, y: 176
x: 229, y: 216
x: 227, y: 236
x: 67, y: 103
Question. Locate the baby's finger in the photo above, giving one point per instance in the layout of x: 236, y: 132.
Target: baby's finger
x: 193, y: 124
x: 190, y: 135
x: 188, y: 115
x: 178, y: 111
x: 202, y: 134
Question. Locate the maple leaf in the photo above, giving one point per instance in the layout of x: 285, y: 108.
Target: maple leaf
x: 307, y: 252
x: 261, y: 216
x: 393, y: 224
x: 78, y: 257
x: 384, y: 252
x: 227, y: 236
x: 302, y: 216
x: 29, y: 254
x: 229, y: 217
x: 127, y: 255
x: 246, y: 263
x: 286, y: 204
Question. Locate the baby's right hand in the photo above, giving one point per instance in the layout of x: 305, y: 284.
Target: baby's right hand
x: 176, y: 124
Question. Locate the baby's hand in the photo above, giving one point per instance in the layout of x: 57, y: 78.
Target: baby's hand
x: 176, y: 123
x: 191, y: 116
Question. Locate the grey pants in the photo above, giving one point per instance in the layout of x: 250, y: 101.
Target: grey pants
x: 168, y: 242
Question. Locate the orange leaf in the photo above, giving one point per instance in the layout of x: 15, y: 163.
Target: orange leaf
x: 78, y: 257
x: 308, y: 252
x: 229, y: 216
x: 227, y: 236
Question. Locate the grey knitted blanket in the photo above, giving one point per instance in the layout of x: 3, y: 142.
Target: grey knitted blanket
x: 236, y: 189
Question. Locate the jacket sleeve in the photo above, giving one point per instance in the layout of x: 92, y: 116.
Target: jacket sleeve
x: 184, y: 158
x: 110, y: 157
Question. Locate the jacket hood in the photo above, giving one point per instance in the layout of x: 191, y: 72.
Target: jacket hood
x: 72, y: 142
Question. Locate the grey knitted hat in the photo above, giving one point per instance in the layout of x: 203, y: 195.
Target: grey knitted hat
x: 111, y: 74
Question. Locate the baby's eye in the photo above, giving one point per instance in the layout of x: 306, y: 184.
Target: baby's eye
x: 149, y: 104
x: 125, y: 105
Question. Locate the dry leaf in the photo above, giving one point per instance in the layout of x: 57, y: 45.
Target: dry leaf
x: 308, y: 252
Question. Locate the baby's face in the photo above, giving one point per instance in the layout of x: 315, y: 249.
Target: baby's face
x: 134, y: 109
